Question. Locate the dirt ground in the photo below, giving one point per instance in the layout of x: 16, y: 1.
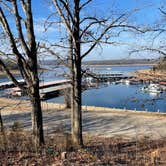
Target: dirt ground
x: 111, y: 136
x: 97, y: 121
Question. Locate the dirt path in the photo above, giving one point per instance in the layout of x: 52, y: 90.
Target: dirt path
x: 97, y: 121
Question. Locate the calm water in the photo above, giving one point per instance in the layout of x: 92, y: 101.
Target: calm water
x: 115, y: 96
x: 121, y: 96
x: 123, y: 69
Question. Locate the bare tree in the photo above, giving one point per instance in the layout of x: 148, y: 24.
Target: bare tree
x: 16, y: 20
x: 156, y: 43
x: 91, y: 31
x: 1, y: 123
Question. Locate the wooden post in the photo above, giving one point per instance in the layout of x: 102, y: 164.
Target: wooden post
x: 67, y: 97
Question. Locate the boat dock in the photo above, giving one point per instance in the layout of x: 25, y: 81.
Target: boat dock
x: 9, y: 84
x: 53, y: 83
x: 47, y: 89
x: 111, y: 77
x: 54, y: 91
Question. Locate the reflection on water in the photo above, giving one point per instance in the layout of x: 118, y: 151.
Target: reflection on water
x: 115, y: 96
x: 122, y: 96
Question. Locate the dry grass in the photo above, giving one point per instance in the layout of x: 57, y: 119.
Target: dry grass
x: 150, y: 74
x: 18, y: 149
x: 98, y: 121
x: 14, y: 105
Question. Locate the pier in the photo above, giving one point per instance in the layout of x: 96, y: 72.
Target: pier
x: 62, y: 87
x: 54, y: 91
x: 47, y: 89
x: 10, y: 84
x: 104, y: 77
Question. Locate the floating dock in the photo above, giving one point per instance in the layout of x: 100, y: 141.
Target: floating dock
x: 53, y: 83
x: 111, y: 77
x: 10, y: 84
x: 47, y: 89
x: 54, y: 91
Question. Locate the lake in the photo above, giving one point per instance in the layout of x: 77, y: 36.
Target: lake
x: 121, y: 95
x: 110, y: 95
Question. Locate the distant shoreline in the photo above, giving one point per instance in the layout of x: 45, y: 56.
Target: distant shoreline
x: 119, y: 64
x: 16, y: 72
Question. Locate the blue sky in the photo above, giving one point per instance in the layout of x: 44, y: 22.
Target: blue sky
x: 147, y: 14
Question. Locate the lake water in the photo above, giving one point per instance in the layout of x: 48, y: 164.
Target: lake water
x: 114, y: 96
x: 121, y: 95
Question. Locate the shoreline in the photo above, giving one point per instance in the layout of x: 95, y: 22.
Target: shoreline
x: 22, y: 104
x: 151, y: 75
x: 17, y: 72
x: 120, y: 65
x: 97, y: 121
x: 118, y: 110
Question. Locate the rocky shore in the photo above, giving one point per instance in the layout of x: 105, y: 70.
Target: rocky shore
x: 151, y: 75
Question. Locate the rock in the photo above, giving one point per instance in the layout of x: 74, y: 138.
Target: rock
x: 63, y: 155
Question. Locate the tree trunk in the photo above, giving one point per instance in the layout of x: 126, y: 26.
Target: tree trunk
x: 67, y: 98
x: 36, y: 115
x: 76, y: 80
x: 76, y: 114
x: 1, y: 124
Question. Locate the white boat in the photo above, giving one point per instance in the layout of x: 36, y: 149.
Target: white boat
x: 124, y: 81
x: 152, y: 88
x: 127, y: 82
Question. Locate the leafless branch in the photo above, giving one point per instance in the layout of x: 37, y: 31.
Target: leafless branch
x: 97, y: 21
x: 66, y: 6
x: 162, y: 11
x: 49, y: 50
x: 161, y: 52
x: 19, y: 27
x: 67, y: 24
x: 9, y: 74
x: 85, y: 4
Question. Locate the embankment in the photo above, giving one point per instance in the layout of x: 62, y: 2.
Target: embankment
x: 151, y: 75
x: 97, y: 121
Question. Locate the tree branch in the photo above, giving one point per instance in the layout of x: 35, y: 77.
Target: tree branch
x: 66, y: 23
x: 162, y: 11
x: 10, y: 76
x: 56, y: 55
x: 21, y: 61
x: 6, y: 28
x: 19, y: 28
x: 84, y: 4
x: 29, y: 27
x: 68, y: 10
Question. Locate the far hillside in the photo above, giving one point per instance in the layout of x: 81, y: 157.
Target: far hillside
x: 12, y: 65
x: 123, y: 62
